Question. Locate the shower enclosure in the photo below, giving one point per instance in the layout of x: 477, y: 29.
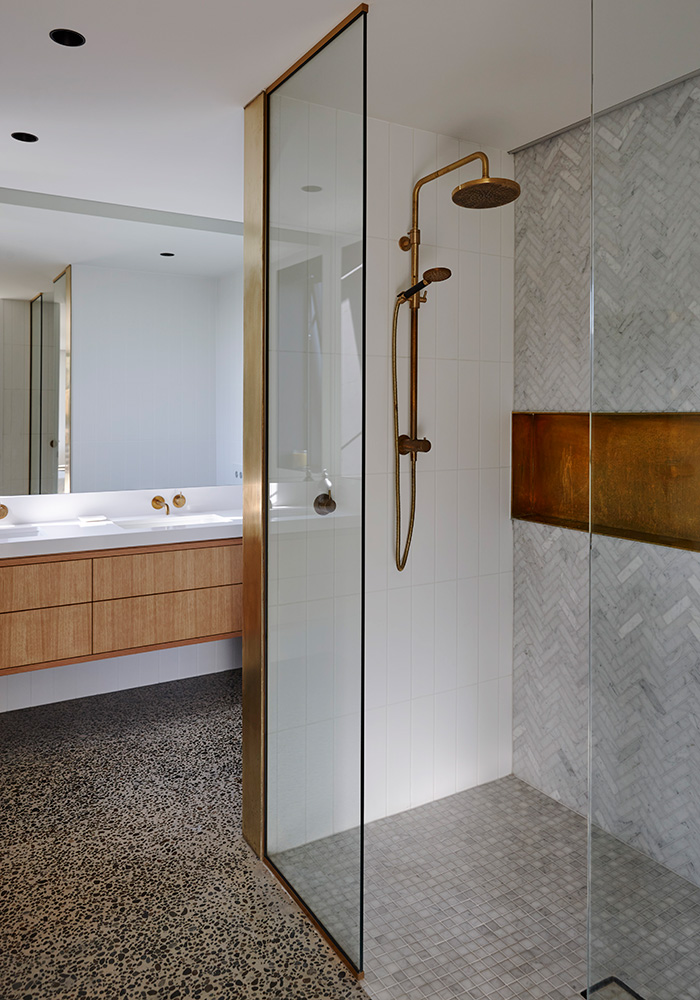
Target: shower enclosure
x: 532, y: 796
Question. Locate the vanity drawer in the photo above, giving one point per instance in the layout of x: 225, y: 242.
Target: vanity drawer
x: 166, y: 572
x: 132, y: 622
x: 44, y: 635
x: 45, y: 585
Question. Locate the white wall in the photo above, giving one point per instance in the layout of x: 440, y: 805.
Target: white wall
x: 14, y: 396
x: 229, y: 378
x: 80, y: 680
x: 439, y: 635
x: 143, y: 379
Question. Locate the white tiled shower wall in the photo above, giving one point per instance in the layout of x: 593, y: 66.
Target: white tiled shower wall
x: 439, y: 635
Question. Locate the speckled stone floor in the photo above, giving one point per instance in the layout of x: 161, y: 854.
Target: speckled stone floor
x: 123, y: 871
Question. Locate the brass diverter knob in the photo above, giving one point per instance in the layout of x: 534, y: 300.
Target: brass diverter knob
x: 179, y: 499
x: 4, y: 510
x: 159, y: 503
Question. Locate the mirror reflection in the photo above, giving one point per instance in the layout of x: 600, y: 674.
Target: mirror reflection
x: 125, y: 371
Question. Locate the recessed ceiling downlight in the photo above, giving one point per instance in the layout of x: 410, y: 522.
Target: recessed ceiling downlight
x: 65, y: 36
x: 25, y: 136
x: 166, y: 254
x: 312, y: 188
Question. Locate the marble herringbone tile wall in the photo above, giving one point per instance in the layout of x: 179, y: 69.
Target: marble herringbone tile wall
x: 552, y: 274
x: 646, y: 599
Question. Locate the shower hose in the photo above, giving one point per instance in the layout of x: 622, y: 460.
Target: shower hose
x: 400, y: 558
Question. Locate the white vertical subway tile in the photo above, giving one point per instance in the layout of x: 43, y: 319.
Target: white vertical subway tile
x: 489, y: 745
x: 506, y: 408
x: 376, y: 624
x: 291, y: 687
x: 398, y: 757
x: 446, y: 443
x: 319, y: 780
x: 489, y: 521
x: 467, y: 716
x: 447, y: 212
x: 490, y: 219
x: 468, y: 414
x: 427, y: 314
x: 446, y: 525
x: 489, y: 608
x: 505, y: 630
x: 489, y: 415
x: 425, y: 162
x: 508, y: 211
x: 422, y: 749
x: 401, y: 180
x: 399, y: 280
x: 490, y: 308
x: 469, y: 223
x: 506, y: 525
x: 379, y: 299
x: 290, y: 768
x: 426, y: 411
x: 505, y: 727
x: 396, y: 578
x: 446, y: 297
x: 507, y: 308
x: 468, y: 523
x: 445, y: 763
x: 398, y: 645
x: 467, y: 632
x: 375, y: 764
x: 377, y: 178
x: 469, y: 306
x: 347, y: 777
x: 377, y: 407
x: 377, y: 531
x: 422, y: 626
x: 348, y: 654
x: 446, y: 636
x: 422, y: 553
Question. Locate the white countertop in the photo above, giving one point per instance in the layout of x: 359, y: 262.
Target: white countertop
x: 49, y: 537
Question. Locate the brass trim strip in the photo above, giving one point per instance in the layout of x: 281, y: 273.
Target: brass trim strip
x: 357, y: 973
x: 362, y: 9
x: 254, y: 471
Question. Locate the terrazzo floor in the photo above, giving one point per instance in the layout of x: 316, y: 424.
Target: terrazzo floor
x: 123, y: 872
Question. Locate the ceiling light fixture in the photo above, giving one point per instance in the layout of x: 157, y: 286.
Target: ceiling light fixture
x: 25, y: 137
x: 167, y: 254
x: 65, y: 36
x: 311, y: 188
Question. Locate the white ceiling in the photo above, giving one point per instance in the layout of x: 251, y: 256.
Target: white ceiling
x: 149, y: 111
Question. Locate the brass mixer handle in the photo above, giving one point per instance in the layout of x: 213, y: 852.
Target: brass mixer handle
x: 409, y: 445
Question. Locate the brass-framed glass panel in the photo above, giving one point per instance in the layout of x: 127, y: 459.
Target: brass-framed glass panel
x: 315, y: 477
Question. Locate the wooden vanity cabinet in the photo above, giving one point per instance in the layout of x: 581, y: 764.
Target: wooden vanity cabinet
x: 83, y: 606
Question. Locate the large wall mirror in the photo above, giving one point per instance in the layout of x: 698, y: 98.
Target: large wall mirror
x: 121, y: 351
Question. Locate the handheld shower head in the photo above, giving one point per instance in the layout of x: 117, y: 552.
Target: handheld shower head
x: 429, y: 276
x: 486, y: 192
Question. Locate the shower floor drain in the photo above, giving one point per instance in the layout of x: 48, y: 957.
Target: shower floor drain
x: 611, y: 988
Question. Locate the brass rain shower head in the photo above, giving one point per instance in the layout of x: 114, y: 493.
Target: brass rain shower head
x: 486, y: 192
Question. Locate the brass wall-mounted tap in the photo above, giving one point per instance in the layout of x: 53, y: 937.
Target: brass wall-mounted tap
x: 4, y: 510
x: 158, y: 502
x: 179, y: 499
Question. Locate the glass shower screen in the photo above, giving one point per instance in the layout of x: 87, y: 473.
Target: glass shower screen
x: 315, y: 412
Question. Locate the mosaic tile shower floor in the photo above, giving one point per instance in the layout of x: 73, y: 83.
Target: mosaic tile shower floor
x: 123, y: 872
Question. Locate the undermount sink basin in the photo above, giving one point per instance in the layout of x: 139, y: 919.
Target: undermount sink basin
x: 161, y: 521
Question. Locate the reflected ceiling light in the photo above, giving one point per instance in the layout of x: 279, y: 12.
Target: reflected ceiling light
x: 311, y: 188
x: 165, y: 254
x: 25, y: 137
x: 64, y: 36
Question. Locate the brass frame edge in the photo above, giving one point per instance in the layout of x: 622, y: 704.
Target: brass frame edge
x: 363, y: 8
x: 254, y: 470
x: 356, y: 973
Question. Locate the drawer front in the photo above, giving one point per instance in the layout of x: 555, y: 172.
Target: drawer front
x: 45, y: 635
x: 131, y: 622
x: 45, y: 585
x: 166, y: 572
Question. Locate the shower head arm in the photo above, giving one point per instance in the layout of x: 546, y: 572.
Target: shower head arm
x: 414, y: 235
